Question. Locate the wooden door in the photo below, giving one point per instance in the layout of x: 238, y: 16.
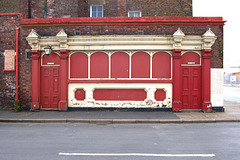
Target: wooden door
x: 191, y: 87
x: 49, y: 87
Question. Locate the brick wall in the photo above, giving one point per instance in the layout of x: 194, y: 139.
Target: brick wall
x: 112, y: 8
x: 161, y: 7
x: 7, y: 42
x: 61, y: 8
x: 9, y: 6
x: 25, y: 71
x: 149, y: 8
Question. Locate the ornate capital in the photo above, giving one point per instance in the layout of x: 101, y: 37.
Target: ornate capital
x: 177, y: 38
x: 33, y: 40
x: 177, y: 53
x: 63, y: 39
x: 64, y: 54
x: 35, y: 55
x: 206, y: 54
x: 208, y: 39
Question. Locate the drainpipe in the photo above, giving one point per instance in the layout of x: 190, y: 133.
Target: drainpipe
x: 17, y: 64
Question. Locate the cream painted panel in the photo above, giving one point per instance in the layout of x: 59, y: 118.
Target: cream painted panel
x: 150, y: 88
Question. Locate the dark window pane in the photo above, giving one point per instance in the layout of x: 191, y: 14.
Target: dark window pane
x: 94, y: 8
x: 94, y: 14
x: 100, y: 8
x: 100, y: 14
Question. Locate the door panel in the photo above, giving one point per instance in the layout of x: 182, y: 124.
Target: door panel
x: 49, y: 87
x: 186, y: 88
x: 191, y: 87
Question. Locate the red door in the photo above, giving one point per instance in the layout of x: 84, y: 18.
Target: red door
x: 49, y: 87
x: 191, y: 87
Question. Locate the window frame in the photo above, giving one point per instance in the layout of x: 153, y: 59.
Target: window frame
x: 134, y: 12
x: 91, y: 12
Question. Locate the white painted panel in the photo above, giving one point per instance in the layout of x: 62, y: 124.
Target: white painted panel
x: 217, y: 87
x: 150, y: 88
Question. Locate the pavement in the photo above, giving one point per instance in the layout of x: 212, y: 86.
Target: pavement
x: 231, y: 114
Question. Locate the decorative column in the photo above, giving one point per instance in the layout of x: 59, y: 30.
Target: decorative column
x: 62, y: 38
x: 208, y: 40
x: 177, y: 71
x: 33, y: 40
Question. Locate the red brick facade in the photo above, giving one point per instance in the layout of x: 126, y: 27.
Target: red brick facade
x: 81, y: 8
x: 7, y: 42
x: 93, y: 27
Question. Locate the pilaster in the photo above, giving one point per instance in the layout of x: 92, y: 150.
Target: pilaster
x: 63, y: 104
x: 35, y: 105
x: 178, y: 37
x: 208, y: 40
x: 177, y: 81
x: 206, y: 80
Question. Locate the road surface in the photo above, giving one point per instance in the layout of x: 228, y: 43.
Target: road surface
x: 74, y: 141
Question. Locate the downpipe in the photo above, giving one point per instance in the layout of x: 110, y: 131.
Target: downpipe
x: 17, y: 63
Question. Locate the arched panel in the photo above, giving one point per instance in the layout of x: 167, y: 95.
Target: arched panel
x: 99, y: 65
x: 161, y: 65
x: 79, y: 65
x: 190, y: 58
x: 119, y: 65
x: 51, y: 59
x: 140, y: 65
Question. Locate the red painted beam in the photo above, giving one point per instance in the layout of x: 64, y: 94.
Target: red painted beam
x: 12, y: 14
x: 119, y: 81
x: 122, y: 21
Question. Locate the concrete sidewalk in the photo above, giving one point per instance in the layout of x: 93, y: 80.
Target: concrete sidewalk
x: 231, y: 114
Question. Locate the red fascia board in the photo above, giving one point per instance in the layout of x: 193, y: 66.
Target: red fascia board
x: 5, y: 70
x: 11, y: 14
x: 119, y: 81
x: 122, y: 21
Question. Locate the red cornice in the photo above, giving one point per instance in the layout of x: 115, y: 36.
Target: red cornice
x: 11, y: 14
x: 120, y: 81
x: 5, y: 70
x: 82, y: 21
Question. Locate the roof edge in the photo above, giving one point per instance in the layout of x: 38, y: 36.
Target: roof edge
x: 122, y: 21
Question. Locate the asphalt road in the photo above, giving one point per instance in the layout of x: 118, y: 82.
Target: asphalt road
x: 75, y: 141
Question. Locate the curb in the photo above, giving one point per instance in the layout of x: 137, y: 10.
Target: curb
x: 118, y: 121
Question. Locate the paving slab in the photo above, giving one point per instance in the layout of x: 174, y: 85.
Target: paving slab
x: 231, y: 114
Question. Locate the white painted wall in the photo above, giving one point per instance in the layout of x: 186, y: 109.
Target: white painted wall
x: 217, y: 87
